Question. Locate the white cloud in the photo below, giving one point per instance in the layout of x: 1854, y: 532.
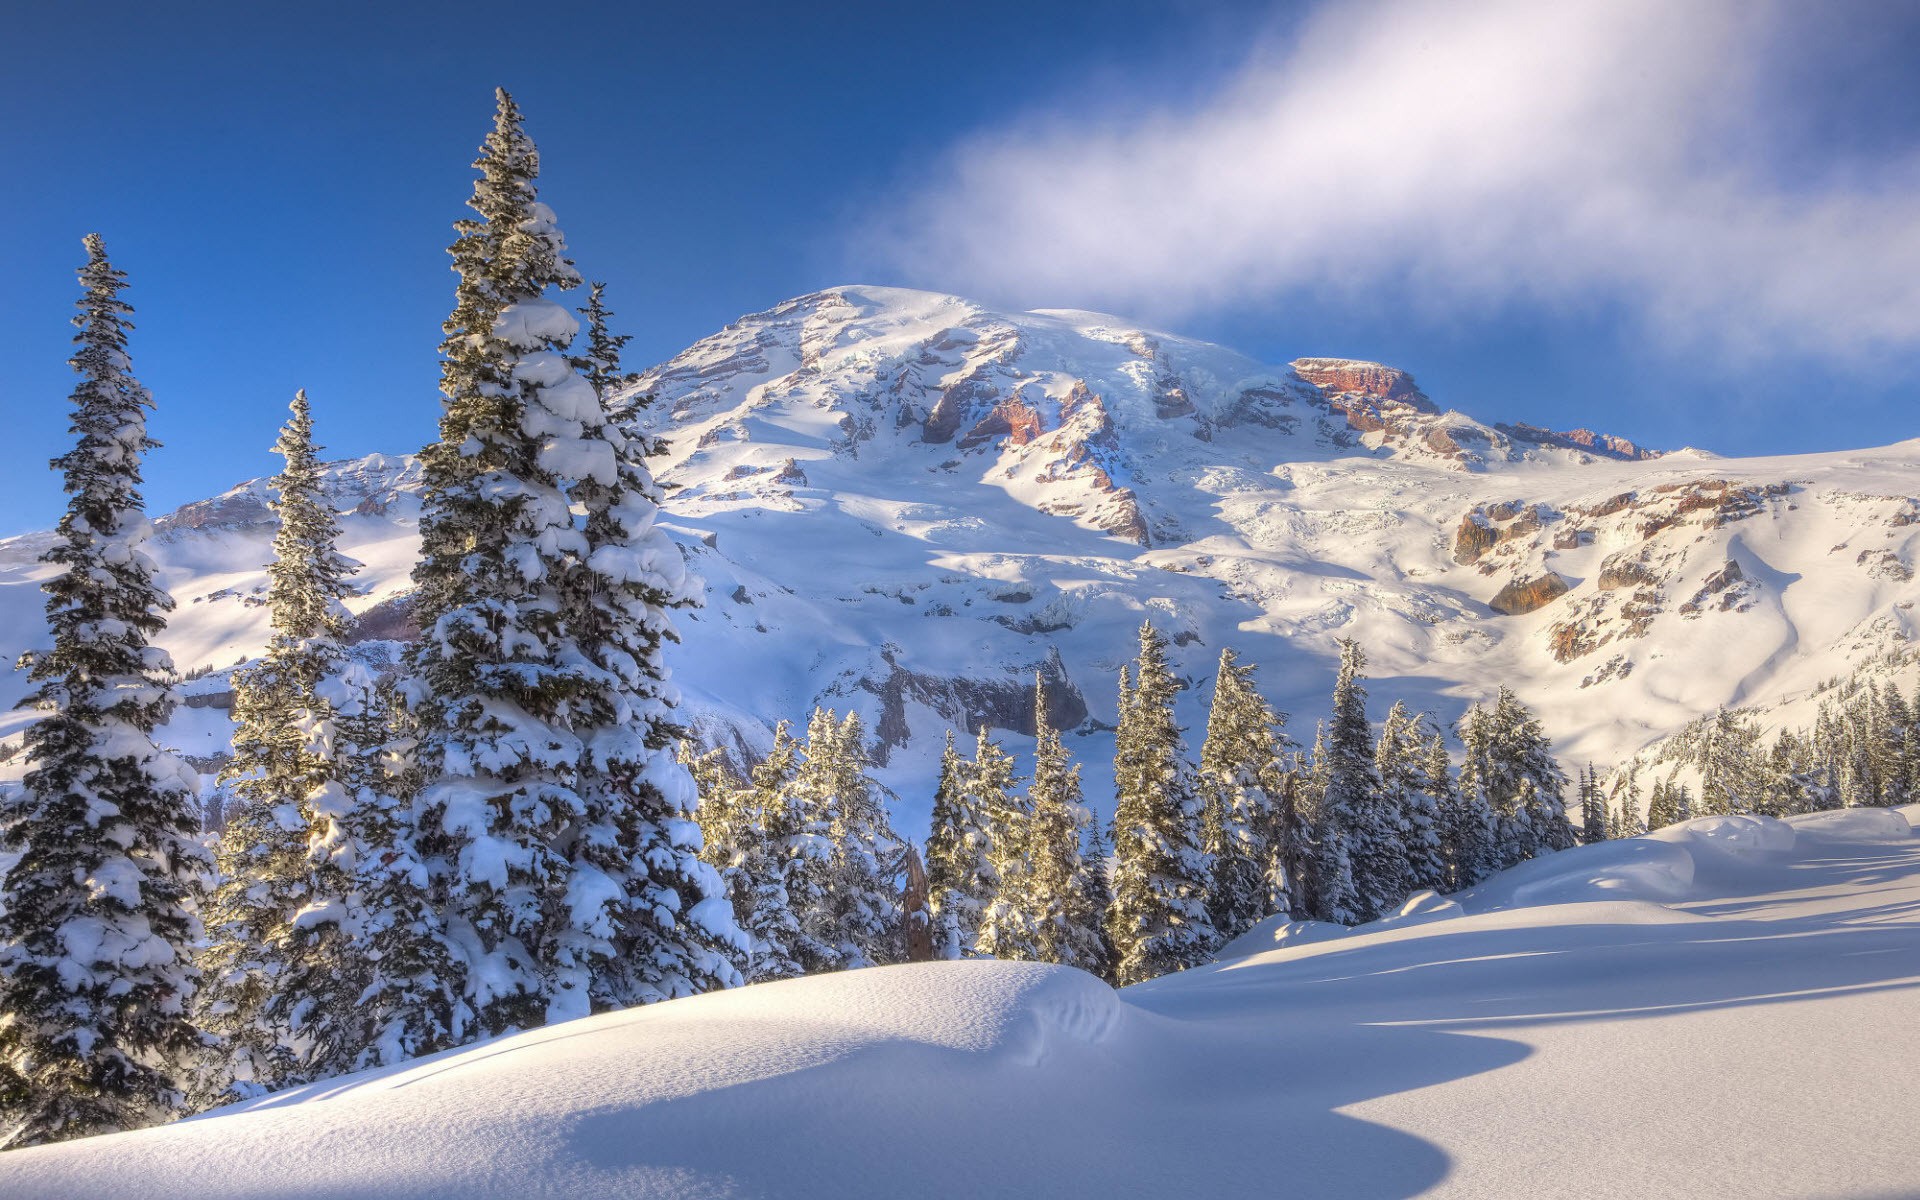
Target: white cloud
x: 1506, y: 151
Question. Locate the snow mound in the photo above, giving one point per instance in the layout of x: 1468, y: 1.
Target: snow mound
x: 1630, y: 869
x: 1855, y: 824
x: 1737, y: 836
x: 1276, y: 933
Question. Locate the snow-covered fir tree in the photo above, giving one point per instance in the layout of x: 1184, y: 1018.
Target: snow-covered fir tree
x: 960, y: 879
x: 1466, y: 821
x: 855, y: 919
x: 1594, y: 824
x: 1158, y: 920
x: 553, y: 815
x: 1509, y: 763
x: 1239, y: 770
x: 1356, y: 818
x: 95, y: 981
x: 664, y: 928
x: 773, y: 859
x: 1008, y: 924
x: 279, y: 969
x: 1408, y: 789
x: 1623, y: 800
x: 1069, y: 897
x: 409, y: 1000
x: 1670, y: 803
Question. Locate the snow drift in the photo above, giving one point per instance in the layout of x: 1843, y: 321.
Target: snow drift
x: 1723, y: 1009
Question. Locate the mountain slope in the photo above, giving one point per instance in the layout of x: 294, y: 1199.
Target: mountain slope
x: 1705, y: 1012
x: 907, y: 503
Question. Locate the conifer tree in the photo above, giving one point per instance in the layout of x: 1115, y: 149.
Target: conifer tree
x: 1239, y: 765
x: 778, y: 864
x: 1158, y: 919
x: 1357, y: 823
x: 1471, y: 828
x: 665, y: 930
x: 1051, y: 900
x: 95, y: 983
x: 409, y: 1001
x: 858, y: 925
x: 1625, y: 802
x: 960, y: 879
x: 1593, y: 807
x: 1009, y: 927
x: 1509, y: 762
x: 1401, y: 761
x: 553, y: 817
x: 279, y: 990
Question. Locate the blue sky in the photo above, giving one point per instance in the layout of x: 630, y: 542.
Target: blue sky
x: 1696, y: 229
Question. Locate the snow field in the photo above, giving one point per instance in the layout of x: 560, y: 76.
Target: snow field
x: 1567, y: 1032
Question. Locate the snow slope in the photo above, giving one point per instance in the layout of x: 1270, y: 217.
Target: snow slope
x: 1728, y: 1008
x: 906, y: 503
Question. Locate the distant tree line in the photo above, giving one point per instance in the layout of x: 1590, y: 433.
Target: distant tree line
x: 1862, y: 749
x: 1196, y: 854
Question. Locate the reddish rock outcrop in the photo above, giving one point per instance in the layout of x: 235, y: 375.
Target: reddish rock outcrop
x: 1012, y: 418
x: 1337, y: 376
x: 1527, y: 595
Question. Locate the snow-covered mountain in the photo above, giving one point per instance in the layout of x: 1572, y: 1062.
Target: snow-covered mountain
x: 908, y: 503
x: 1719, y: 1009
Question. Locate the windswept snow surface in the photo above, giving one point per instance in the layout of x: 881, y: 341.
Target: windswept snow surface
x: 1726, y: 1008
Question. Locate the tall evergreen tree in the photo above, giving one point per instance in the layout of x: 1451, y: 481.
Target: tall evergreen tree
x: 1408, y: 790
x: 1158, y: 921
x: 1239, y: 767
x: 280, y: 968
x: 1593, y: 807
x: 1466, y: 823
x: 858, y: 925
x: 409, y: 1001
x: 95, y: 984
x: 1356, y: 821
x: 1051, y: 900
x: 664, y: 930
x: 553, y: 816
x: 960, y: 878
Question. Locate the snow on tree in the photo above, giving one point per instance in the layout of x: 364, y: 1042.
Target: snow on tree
x: 772, y: 858
x: 960, y: 878
x: 1510, y: 763
x: 1670, y: 803
x: 1009, y: 926
x: 553, y: 818
x: 1158, y: 919
x: 1407, y: 789
x: 1624, y: 801
x: 1051, y: 900
x: 279, y: 968
x: 855, y: 919
x: 1470, y: 828
x: 95, y: 982
x: 650, y: 920
x: 1239, y: 771
x: 1356, y: 819
x: 409, y: 1001
x: 1594, y: 825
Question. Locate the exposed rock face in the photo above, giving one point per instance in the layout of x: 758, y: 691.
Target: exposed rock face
x: 1604, y: 444
x: 1484, y: 528
x: 1527, y: 595
x: 1729, y: 584
x: 1345, y: 376
x: 997, y: 702
x: 1012, y: 418
x: 388, y: 621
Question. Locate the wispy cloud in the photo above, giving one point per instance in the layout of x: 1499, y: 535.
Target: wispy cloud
x: 1499, y: 152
